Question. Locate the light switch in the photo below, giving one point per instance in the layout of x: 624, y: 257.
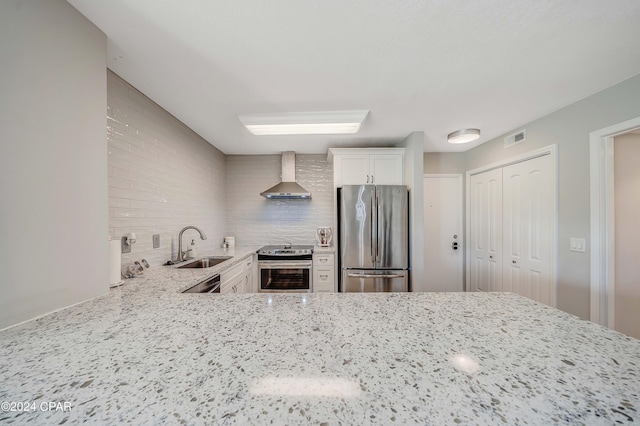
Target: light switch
x: 578, y: 244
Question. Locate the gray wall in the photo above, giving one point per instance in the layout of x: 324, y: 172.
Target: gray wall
x: 444, y: 163
x: 53, y: 167
x: 569, y: 128
x: 162, y: 177
x: 253, y: 219
x: 414, y: 179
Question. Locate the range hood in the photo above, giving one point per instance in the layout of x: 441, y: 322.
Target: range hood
x: 288, y: 188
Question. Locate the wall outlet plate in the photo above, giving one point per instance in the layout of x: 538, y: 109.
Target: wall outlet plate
x: 126, y: 248
x: 156, y: 241
x: 578, y: 244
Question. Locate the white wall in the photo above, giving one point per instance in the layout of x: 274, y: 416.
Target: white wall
x: 253, y: 219
x: 627, y: 233
x: 569, y: 128
x: 53, y: 166
x: 162, y: 177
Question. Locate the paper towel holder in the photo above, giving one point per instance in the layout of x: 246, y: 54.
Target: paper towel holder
x: 127, y: 241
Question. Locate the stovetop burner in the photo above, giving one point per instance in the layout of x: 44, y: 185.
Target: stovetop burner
x: 286, y: 250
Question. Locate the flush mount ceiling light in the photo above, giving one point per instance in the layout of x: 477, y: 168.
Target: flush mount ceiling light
x: 463, y: 136
x: 304, y: 123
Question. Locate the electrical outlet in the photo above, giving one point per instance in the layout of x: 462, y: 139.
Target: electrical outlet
x: 156, y: 241
x: 126, y: 248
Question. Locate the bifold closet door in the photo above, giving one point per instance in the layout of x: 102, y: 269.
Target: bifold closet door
x: 486, y: 231
x: 528, y: 229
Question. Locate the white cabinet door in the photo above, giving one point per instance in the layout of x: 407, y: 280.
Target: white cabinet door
x: 354, y: 169
x: 386, y: 169
x: 373, y: 166
x: 232, y: 279
x: 528, y: 229
x: 248, y: 276
x: 486, y: 231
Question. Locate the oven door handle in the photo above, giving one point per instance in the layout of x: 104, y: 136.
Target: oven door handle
x: 375, y: 276
x: 284, y: 265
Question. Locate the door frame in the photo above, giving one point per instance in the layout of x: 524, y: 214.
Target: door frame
x: 460, y: 218
x: 551, y: 150
x: 602, y: 230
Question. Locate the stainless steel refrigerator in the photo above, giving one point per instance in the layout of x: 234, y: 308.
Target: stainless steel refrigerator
x: 374, y: 238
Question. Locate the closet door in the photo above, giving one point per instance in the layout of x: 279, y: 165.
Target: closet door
x: 528, y: 218
x: 486, y: 231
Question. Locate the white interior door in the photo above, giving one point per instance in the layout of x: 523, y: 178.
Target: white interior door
x: 626, y: 285
x: 486, y: 231
x: 443, y: 229
x: 528, y: 217
x: 512, y: 226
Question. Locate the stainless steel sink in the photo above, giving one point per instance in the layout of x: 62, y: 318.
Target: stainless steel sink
x: 205, y: 262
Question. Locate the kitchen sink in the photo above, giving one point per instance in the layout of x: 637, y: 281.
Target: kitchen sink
x: 205, y: 262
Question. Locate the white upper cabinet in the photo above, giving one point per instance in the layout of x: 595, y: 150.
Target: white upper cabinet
x: 362, y: 166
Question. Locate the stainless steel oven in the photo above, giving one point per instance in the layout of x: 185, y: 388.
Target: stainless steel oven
x: 285, y: 269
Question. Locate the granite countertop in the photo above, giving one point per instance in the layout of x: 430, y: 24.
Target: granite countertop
x: 145, y: 353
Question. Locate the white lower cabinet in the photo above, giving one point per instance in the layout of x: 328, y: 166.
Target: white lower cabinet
x: 238, y: 278
x: 323, y: 273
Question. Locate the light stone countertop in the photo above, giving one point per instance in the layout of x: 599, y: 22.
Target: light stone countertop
x: 146, y: 354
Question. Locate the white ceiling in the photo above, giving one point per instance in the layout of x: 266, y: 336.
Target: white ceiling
x: 418, y: 65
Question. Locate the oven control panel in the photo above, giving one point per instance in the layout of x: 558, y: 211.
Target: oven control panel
x: 286, y: 250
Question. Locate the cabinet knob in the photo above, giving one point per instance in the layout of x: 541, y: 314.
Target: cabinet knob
x: 490, y: 257
x: 513, y: 261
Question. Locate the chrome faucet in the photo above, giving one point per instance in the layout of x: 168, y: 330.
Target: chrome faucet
x: 180, y: 257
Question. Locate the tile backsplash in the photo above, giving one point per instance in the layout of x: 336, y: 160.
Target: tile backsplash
x: 253, y: 219
x: 162, y: 177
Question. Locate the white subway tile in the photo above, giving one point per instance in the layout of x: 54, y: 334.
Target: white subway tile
x: 157, y: 169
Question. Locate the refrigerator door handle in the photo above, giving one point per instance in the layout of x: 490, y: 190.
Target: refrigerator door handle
x: 373, y: 257
x: 375, y: 276
x: 378, y: 223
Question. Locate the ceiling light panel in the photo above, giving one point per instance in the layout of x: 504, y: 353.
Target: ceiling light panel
x: 304, y: 123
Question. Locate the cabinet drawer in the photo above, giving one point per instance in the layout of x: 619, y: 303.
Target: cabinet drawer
x: 323, y: 275
x: 323, y: 280
x: 323, y: 287
x: 322, y: 259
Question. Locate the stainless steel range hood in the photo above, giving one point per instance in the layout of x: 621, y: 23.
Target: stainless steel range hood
x: 288, y: 188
